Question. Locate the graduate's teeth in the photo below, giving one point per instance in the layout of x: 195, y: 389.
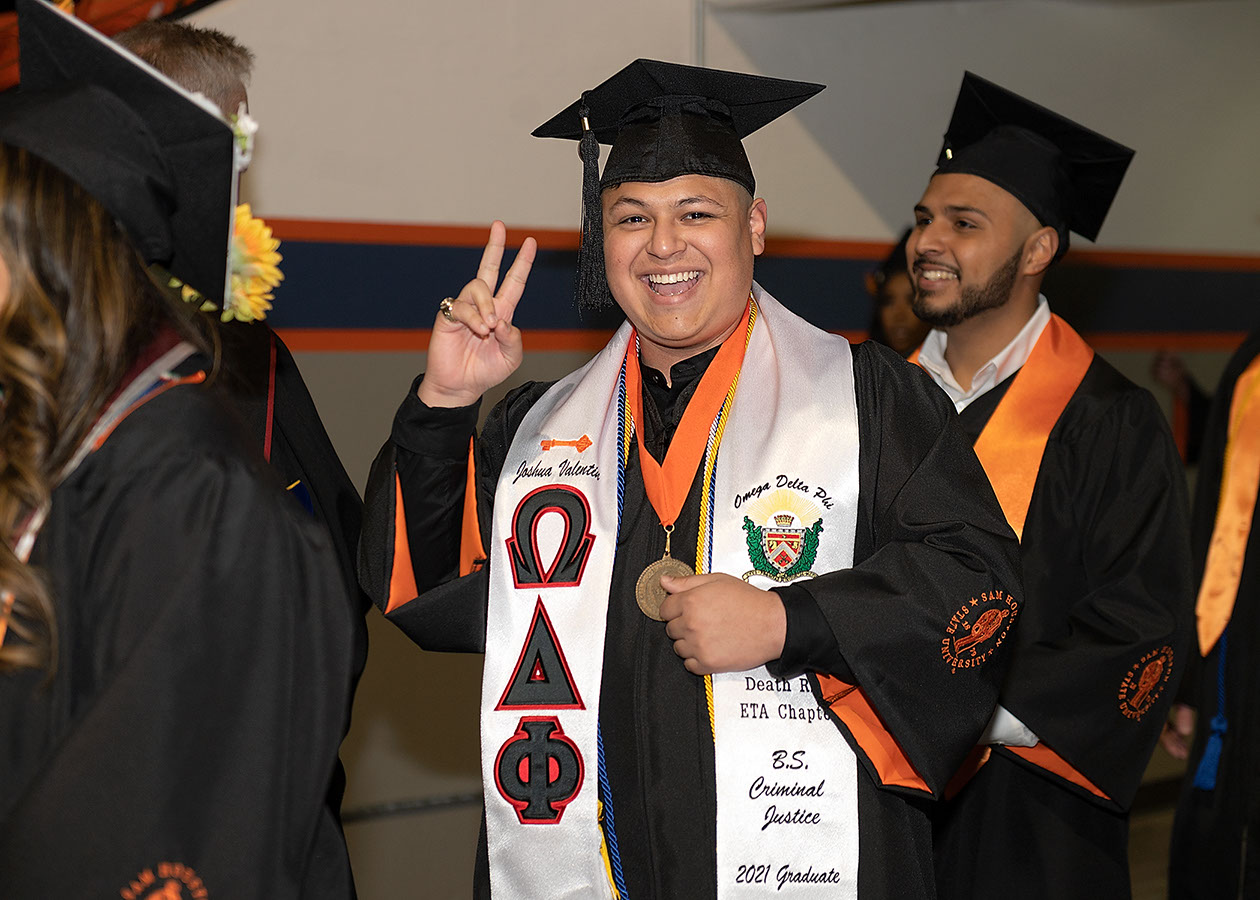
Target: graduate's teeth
x: 673, y: 278
x: 673, y: 284
x: 937, y: 275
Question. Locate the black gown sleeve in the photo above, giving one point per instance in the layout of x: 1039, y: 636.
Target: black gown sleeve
x: 931, y: 538
x: 413, y: 574
x: 1107, y: 556
x: 209, y: 654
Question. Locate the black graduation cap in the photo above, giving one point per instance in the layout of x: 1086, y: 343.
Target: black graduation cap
x: 160, y: 159
x: 1065, y: 174
x: 664, y: 120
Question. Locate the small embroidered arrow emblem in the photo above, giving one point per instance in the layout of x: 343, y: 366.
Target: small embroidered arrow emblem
x: 581, y: 443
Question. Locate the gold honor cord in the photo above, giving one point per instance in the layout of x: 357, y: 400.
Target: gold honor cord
x: 1240, y: 481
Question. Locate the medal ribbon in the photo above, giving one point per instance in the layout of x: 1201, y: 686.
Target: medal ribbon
x: 667, y: 485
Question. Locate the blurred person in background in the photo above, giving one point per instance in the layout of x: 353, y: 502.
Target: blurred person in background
x: 893, y: 321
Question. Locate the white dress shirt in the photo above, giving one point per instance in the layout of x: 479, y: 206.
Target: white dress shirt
x: 1006, y: 363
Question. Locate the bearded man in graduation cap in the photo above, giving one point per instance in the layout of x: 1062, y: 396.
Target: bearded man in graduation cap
x: 1085, y: 467
x: 778, y: 722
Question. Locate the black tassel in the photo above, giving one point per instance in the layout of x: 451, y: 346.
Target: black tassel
x: 592, y: 283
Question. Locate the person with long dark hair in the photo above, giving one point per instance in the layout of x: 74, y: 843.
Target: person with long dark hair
x: 173, y: 673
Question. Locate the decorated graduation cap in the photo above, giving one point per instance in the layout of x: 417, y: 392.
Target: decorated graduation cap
x: 1065, y: 174
x: 664, y: 120
x: 160, y: 159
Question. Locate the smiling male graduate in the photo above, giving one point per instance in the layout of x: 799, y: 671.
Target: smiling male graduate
x: 777, y: 723
x: 1084, y: 465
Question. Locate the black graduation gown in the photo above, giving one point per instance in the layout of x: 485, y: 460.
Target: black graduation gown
x: 262, y: 384
x: 190, y: 729
x: 922, y: 548
x: 1214, y: 837
x: 1107, y: 580
x: 300, y: 449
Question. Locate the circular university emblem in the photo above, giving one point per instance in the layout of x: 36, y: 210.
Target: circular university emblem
x: 977, y: 629
x: 165, y: 881
x: 1144, y: 682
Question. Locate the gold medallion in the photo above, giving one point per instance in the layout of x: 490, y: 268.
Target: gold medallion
x: 648, y: 591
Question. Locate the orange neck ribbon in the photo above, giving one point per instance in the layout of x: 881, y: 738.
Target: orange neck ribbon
x: 1240, y: 480
x: 1013, y: 441
x: 667, y: 485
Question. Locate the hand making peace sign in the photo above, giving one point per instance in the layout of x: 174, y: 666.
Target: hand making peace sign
x: 475, y: 345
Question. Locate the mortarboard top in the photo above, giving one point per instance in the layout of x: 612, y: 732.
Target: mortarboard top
x: 664, y: 120
x: 1065, y: 174
x: 160, y: 159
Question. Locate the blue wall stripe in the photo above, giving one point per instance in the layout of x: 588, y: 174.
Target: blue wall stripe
x: 347, y: 286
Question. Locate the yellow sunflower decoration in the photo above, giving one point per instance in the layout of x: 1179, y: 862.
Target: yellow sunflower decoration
x: 255, y: 271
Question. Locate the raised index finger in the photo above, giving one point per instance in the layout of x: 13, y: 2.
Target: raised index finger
x: 514, y: 281
x: 492, y: 256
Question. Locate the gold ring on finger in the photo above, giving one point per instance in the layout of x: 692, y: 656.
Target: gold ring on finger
x: 445, y: 309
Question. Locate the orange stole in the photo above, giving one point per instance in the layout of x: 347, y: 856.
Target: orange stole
x: 1010, y: 449
x: 1012, y: 443
x: 1240, y: 482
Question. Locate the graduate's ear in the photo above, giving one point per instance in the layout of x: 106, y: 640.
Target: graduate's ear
x: 1039, y: 251
x: 758, y: 216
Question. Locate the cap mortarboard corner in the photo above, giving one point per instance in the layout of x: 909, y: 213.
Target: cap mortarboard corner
x: 173, y: 151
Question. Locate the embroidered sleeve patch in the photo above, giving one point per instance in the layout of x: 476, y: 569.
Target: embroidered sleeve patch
x: 165, y: 881
x: 977, y: 629
x: 1144, y: 682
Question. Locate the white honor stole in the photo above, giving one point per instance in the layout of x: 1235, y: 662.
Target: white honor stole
x: 784, y: 499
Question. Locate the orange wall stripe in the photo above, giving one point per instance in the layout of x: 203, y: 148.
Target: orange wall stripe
x: 414, y: 235
x: 1151, y: 259
x: 437, y: 235
x: 821, y: 248
x: 852, y: 707
x: 1045, y: 758
x: 402, y: 578
x: 472, y: 555
x: 417, y: 339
